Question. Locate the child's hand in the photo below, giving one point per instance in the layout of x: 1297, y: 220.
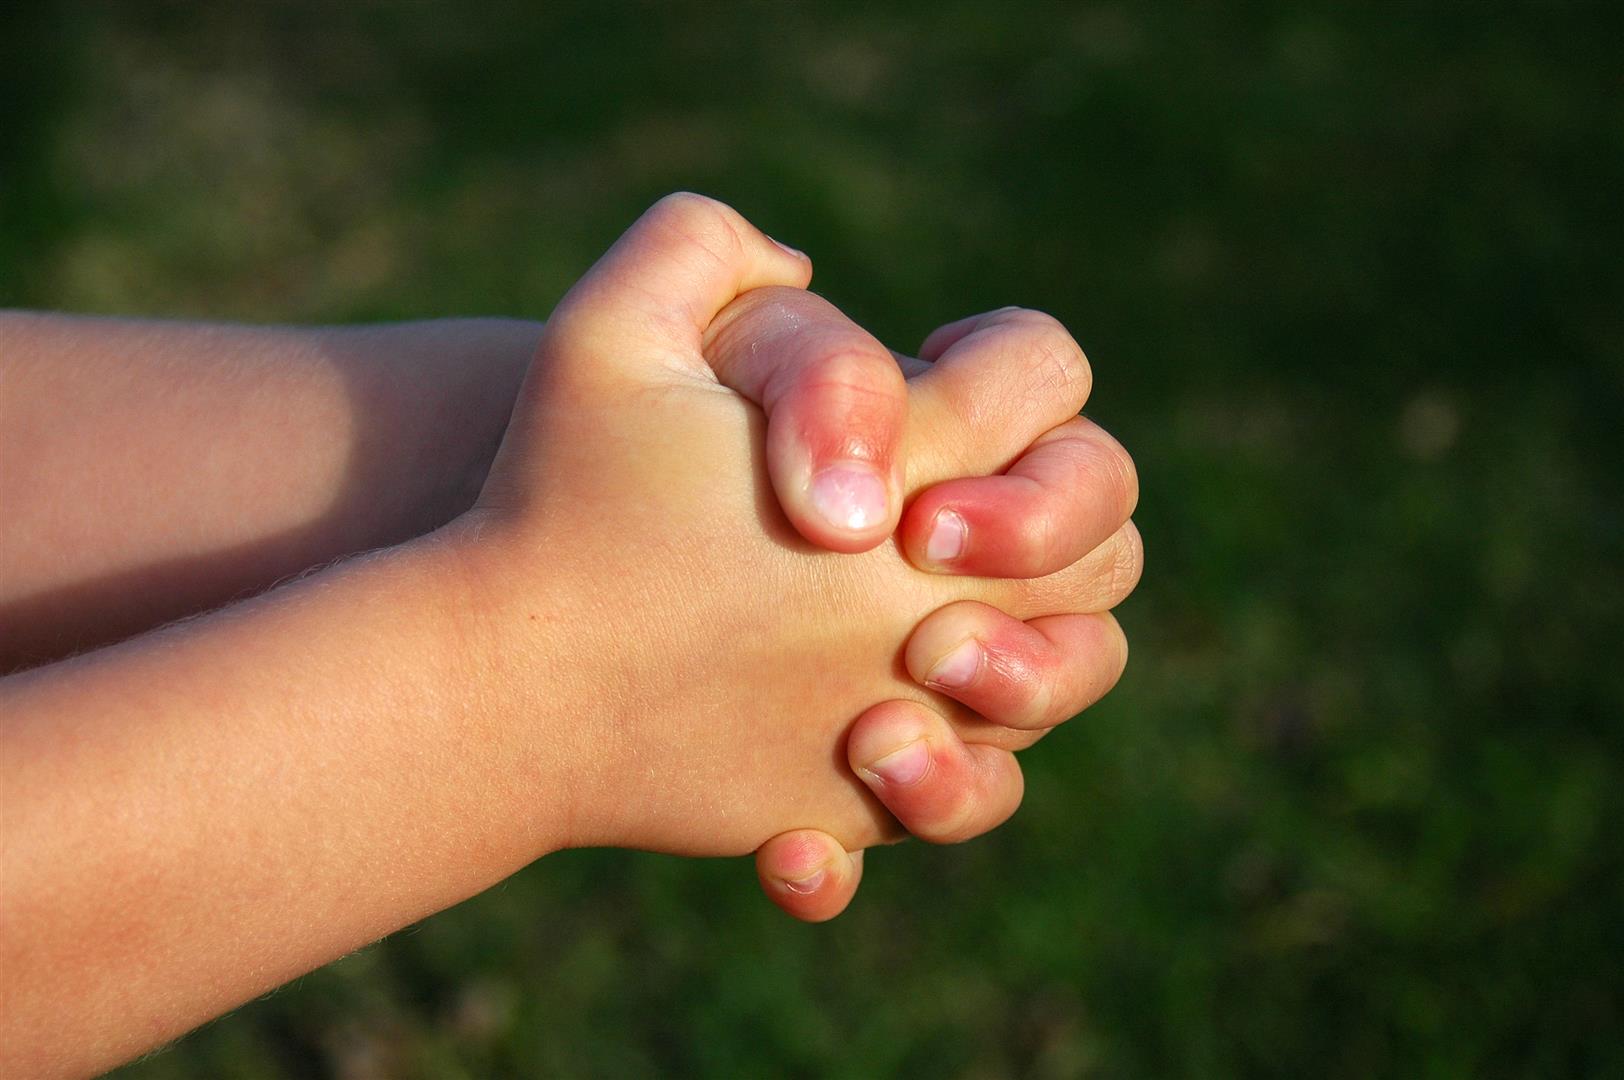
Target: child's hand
x: 628, y: 548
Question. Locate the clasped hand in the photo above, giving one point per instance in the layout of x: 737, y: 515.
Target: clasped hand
x: 738, y: 579
x: 797, y: 674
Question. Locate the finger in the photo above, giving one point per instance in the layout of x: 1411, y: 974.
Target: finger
x: 1019, y: 674
x: 664, y: 280
x: 1099, y: 581
x: 1061, y: 500
x: 808, y: 874
x: 940, y: 788
x: 836, y: 407
x: 1011, y: 376
x: 942, y: 338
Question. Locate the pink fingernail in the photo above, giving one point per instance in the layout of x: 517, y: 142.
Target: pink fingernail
x: 956, y: 670
x: 946, y: 537
x: 902, y: 767
x: 807, y: 884
x: 850, y: 497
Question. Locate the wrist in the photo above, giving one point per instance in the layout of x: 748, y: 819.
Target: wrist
x: 525, y: 676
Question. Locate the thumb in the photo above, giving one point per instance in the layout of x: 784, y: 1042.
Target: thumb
x: 656, y: 290
x: 836, y: 406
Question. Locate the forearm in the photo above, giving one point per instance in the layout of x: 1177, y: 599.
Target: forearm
x: 198, y: 815
x: 150, y: 470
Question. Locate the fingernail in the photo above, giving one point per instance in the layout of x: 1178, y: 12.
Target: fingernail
x: 785, y: 247
x: 808, y: 884
x: 946, y: 537
x: 902, y: 767
x: 957, y: 668
x: 851, y: 497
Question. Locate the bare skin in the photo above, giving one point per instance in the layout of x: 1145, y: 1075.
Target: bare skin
x: 436, y: 715
x: 1040, y: 490
x: 245, y: 454
x: 321, y: 442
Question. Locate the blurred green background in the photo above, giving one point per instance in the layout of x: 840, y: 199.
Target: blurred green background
x: 1351, y: 282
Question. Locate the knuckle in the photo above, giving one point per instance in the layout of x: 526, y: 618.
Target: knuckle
x: 850, y: 401
x: 1051, y: 594
x: 1105, y: 479
x: 1099, y: 671
x: 1128, y: 476
x: 699, y: 220
x: 1054, y: 360
x: 1121, y: 656
x: 1099, y: 582
x: 1009, y: 800
x: 1042, y: 710
x: 856, y: 369
x: 1049, y: 707
x: 1127, y: 564
x: 1118, y: 470
x: 687, y: 207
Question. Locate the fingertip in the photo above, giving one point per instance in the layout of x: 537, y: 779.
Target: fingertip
x: 1057, y: 502
x: 836, y: 471
x: 837, y: 410
x: 961, y: 527
x: 948, y: 650
x: 798, y: 255
x: 939, y: 788
x: 842, y: 504
x: 808, y: 875
x: 1022, y: 675
x: 853, y: 499
x: 935, y: 534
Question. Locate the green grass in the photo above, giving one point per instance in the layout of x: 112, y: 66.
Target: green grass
x: 1350, y: 280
